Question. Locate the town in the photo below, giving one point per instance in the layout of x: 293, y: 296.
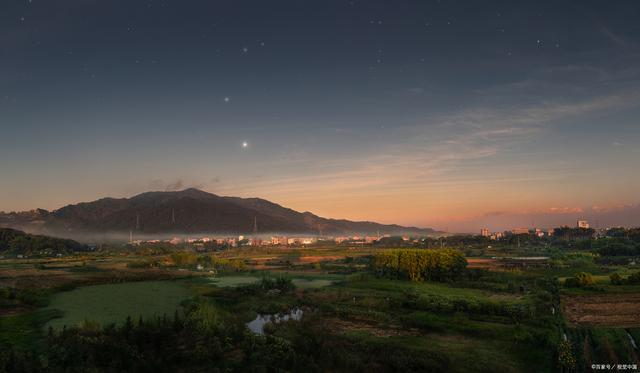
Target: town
x: 582, y: 229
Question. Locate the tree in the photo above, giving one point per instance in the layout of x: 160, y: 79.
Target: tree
x: 566, y: 358
x: 420, y: 264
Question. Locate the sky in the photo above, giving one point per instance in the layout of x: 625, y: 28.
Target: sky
x: 448, y: 114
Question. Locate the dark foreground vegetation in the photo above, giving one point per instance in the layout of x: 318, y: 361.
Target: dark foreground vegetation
x: 363, y: 324
x: 205, y: 341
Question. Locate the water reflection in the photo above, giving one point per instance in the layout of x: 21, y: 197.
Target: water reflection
x: 257, y: 325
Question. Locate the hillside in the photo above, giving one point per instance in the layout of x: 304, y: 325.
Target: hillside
x: 189, y: 211
x: 20, y: 243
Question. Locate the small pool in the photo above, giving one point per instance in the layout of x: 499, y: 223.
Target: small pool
x: 257, y: 324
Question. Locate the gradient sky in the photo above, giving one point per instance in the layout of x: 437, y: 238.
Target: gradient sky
x: 430, y: 113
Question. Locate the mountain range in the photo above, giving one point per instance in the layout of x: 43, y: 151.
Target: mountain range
x: 187, y: 212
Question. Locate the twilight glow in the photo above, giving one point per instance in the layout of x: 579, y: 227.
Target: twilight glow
x: 431, y: 113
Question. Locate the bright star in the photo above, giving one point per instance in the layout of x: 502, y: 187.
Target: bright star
x: 245, y: 144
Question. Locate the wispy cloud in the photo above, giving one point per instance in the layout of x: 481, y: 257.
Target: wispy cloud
x: 428, y: 152
x: 598, y: 216
x: 174, y: 185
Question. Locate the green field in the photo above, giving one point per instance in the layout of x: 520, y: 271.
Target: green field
x: 301, y: 283
x: 233, y: 281
x: 112, y: 303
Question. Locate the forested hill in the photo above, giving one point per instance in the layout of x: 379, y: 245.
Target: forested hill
x: 16, y: 242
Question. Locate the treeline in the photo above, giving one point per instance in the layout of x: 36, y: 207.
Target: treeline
x: 420, y: 264
x: 187, y: 259
x: 569, y: 233
x: 618, y: 245
x: 20, y: 243
x: 632, y: 234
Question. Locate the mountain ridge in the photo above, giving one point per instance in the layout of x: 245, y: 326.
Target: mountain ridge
x: 189, y: 211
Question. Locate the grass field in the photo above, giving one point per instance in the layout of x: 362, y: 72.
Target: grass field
x: 25, y: 330
x: 112, y: 303
x: 300, y: 281
x: 233, y: 281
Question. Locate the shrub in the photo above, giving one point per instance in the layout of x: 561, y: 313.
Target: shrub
x: 615, y: 279
x: 581, y: 279
x: 584, y: 278
x: 279, y: 283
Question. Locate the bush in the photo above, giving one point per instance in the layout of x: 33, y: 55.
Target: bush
x: 615, y: 279
x: 584, y: 278
x: 279, y: 283
x: 268, y: 284
x: 581, y: 279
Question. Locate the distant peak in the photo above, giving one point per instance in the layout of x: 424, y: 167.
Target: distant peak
x: 190, y: 192
x: 194, y: 191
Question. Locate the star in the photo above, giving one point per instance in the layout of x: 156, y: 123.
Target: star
x: 227, y: 99
x: 245, y: 50
x: 245, y: 144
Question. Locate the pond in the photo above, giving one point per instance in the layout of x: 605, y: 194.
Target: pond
x: 257, y: 324
x: 112, y: 303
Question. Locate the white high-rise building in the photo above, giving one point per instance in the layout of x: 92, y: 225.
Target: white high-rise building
x: 582, y: 224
